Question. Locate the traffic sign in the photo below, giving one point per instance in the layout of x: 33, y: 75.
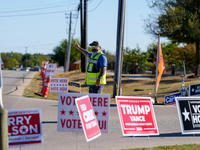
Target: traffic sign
x: 170, y: 99
x: 136, y: 116
x: 194, y: 89
x: 189, y: 114
x: 50, y: 70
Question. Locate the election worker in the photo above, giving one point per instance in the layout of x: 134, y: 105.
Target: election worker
x: 96, y: 68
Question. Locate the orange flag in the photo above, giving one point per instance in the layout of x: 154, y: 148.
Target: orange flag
x: 160, y: 66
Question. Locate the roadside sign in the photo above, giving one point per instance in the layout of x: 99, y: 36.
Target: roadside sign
x: 74, y: 87
x: 136, y: 116
x: 68, y: 117
x: 189, y: 114
x: 170, y: 99
x: 88, y: 119
x: 24, y: 127
x: 194, y: 89
x: 59, y: 85
x: 50, y: 70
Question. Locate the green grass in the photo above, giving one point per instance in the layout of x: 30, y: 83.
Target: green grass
x: 173, y: 147
x: 169, y: 84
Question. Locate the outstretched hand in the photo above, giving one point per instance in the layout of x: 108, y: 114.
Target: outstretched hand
x: 76, y: 44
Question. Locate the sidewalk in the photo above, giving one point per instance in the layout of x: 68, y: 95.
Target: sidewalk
x: 19, y: 90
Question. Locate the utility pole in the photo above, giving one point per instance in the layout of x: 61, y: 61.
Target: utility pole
x: 69, y: 46
x: 26, y: 55
x: 83, y: 34
x: 119, y: 48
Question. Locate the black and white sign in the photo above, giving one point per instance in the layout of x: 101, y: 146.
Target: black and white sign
x: 189, y: 114
x: 194, y: 89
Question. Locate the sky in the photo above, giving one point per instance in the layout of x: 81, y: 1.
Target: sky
x: 39, y: 26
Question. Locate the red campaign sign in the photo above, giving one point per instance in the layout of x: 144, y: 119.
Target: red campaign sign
x: 88, y: 119
x: 59, y: 85
x: 136, y: 116
x: 24, y: 127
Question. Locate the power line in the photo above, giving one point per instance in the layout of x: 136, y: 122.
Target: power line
x: 41, y: 8
x: 96, y: 6
x: 37, y: 14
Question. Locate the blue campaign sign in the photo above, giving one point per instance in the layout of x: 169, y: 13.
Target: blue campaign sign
x: 170, y: 99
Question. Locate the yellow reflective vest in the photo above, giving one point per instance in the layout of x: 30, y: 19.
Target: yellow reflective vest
x: 92, y: 72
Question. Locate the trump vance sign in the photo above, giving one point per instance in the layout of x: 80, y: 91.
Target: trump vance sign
x: 136, y: 116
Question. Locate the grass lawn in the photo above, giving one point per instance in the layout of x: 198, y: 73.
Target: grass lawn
x: 173, y: 147
x: 169, y: 84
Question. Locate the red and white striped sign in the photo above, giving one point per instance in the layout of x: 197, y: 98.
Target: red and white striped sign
x: 136, y: 116
x: 88, y: 119
x: 24, y: 127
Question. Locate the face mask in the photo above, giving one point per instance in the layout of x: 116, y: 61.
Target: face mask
x: 95, y: 52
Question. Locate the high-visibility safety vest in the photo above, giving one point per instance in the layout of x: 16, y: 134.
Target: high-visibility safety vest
x: 92, y: 72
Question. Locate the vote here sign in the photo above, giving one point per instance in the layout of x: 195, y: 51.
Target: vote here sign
x: 136, y: 116
x: 59, y: 85
x: 24, y: 127
x: 88, y: 119
x: 189, y: 114
x: 68, y: 117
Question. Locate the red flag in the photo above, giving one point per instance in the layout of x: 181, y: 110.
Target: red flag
x: 160, y: 66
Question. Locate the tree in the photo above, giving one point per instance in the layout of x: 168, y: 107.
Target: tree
x: 59, y: 53
x: 179, y: 20
x: 133, y: 56
x: 167, y: 50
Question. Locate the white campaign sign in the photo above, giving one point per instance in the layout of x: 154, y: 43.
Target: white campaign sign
x: 68, y: 117
x: 51, y: 69
x: 59, y: 85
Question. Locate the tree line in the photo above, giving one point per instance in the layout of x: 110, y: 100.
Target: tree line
x: 173, y: 53
x: 16, y: 60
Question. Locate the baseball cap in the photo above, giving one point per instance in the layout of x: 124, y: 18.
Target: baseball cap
x: 95, y: 43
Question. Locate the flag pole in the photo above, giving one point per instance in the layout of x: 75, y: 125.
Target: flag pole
x: 157, y: 62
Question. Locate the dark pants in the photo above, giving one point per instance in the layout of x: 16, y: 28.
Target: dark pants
x: 96, y: 89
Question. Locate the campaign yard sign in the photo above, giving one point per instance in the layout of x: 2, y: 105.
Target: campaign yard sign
x: 68, y: 116
x: 194, y: 89
x: 170, y: 99
x: 88, y: 119
x: 136, y: 116
x: 189, y: 114
x: 24, y: 127
x: 59, y: 85
x: 50, y: 70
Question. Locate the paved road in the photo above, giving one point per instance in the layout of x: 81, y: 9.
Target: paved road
x: 167, y: 120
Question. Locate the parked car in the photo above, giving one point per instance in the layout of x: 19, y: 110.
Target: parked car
x: 36, y: 68
x: 25, y: 69
x: 12, y: 68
